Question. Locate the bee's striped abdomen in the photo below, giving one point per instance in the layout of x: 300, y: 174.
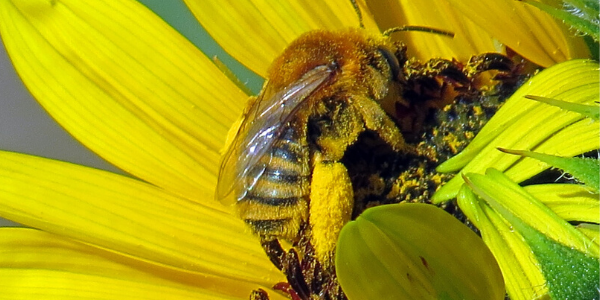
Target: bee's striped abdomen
x: 276, y: 204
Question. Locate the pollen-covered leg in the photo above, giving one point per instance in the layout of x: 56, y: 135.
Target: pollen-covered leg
x: 331, y: 203
x: 377, y: 120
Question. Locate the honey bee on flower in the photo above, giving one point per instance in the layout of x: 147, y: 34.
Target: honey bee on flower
x: 322, y: 94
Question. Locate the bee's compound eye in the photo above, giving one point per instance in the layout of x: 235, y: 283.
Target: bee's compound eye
x: 391, y: 60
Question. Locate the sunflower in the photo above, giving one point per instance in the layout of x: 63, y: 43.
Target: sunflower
x: 133, y: 90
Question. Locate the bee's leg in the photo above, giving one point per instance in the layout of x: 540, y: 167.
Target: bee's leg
x: 311, y: 267
x: 377, y: 120
x: 274, y: 251
x: 293, y: 271
x: 289, y: 263
x: 335, y: 131
x: 331, y: 204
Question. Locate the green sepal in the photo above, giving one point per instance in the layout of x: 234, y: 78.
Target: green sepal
x: 414, y: 251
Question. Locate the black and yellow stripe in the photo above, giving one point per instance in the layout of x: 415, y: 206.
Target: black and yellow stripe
x: 277, y: 202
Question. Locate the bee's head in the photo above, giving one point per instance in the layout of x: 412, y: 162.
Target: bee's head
x: 363, y: 63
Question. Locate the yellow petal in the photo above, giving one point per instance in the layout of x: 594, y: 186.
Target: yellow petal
x: 126, y: 85
x: 469, y: 39
x: 590, y: 230
x: 527, y: 30
x: 567, y: 258
x: 577, y: 138
x: 255, y: 32
x: 524, y: 281
x: 502, y: 194
x: 571, y: 202
x: 527, y: 124
x: 129, y: 217
x: 39, y: 265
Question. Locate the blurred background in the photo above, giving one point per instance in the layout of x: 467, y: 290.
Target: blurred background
x: 26, y: 128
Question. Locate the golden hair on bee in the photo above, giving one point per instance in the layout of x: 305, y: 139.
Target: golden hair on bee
x: 349, y: 51
x: 320, y: 94
x: 284, y: 166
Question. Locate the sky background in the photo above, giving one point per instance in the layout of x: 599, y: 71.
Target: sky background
x: 26, y: 128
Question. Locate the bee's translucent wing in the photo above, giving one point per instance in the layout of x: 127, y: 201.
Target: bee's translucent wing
x: 260, y: 128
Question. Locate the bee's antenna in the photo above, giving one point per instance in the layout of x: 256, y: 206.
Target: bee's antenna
x: 418, y: 28
x: 358, y: 13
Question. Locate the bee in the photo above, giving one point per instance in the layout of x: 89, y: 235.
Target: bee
x: 320, y: 95
x: 325, y: 90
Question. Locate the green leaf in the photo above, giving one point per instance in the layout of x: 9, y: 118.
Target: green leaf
x: 414, y: 251
x: 587, y: 170
x: 570, y: 274
x: 593, y: 46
